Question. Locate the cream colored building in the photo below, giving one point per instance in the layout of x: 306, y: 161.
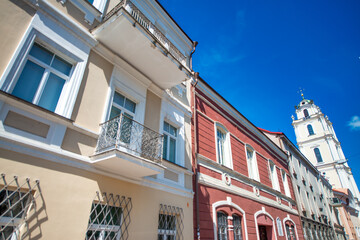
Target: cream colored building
x: 72, y: 167
x: 314, y: 196
x: 317, y: 140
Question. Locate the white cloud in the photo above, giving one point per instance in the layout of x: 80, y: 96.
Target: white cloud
x: 354, y: 123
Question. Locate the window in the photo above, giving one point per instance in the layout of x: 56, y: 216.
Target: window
x: 170, y: 223
x: 252, y: 163
x: 237, y: 227
x: 318, y: 155
x: 57, y: 60
x: 290, y: 231
x: 123, y: 109
x: 169, y: 142
x: 274, y: 176
x: 109, y: 217
x: 286, y: 183
x: 42, y: 78
x: 279, y: 227
x: 306, y: 113
x: 16, y: 198
x: 222, y: 226
x: 223, y: 146
x: 13, y: 207
x: 310, y: 129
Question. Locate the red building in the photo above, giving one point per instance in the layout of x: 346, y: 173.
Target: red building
x: 242, y: 185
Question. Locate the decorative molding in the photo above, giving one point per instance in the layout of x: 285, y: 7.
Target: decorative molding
x: 219, y: 184
x: 227, y: 202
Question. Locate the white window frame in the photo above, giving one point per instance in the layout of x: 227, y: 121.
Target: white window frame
x: 273, y: 175
x: 226, y: 159
x: 60, y: 41
x: 175, y: 117
x: 123, y: 109
x: 170, y: 136
x: 164, y: 233
x: 252, y: 163
x: 104, y: 228
x: 285, y: 183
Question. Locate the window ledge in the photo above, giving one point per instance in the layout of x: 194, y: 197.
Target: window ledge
x: 91, y: 13
x: 176, y: 166
x: 28, y: 106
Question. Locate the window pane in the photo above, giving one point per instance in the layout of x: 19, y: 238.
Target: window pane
x: 114, y: 112
x: 172, y: 151
x: 41, y: 53
x: 61, y: 65
x: 173, y: 131
x: 51, y: 92
x: 119, y: 99
x: 165, y: 146
x: 166, y: 127
x: 130, y: 105
x: 126, y: 125
x: 28, y: 81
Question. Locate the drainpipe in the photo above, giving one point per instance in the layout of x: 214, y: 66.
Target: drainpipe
x: 195, y: 43
x: 196, y: 76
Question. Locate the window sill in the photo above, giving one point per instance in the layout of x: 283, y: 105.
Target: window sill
x: 172, y: 163
x: 30, y: 107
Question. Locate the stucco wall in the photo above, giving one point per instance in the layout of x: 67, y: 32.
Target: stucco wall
x: 91, y: 100
x: 15, y: 17
x: 67, y: 194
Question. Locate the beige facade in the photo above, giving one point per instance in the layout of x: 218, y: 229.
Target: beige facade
x: 59, y: 156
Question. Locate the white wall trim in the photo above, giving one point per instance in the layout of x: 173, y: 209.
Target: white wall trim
x: 222, y: 186
x: 227, y: 202
x: 263, y: 212
x: 289, y: 219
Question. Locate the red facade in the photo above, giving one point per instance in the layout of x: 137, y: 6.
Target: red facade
x: 228, y: 202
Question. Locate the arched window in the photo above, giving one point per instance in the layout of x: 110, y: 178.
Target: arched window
x: 223, y: 146
x: 310, y: 129
x: 222, y: 226
x: 318, y: 155
x: 237, y: 227
x: 306, y: 113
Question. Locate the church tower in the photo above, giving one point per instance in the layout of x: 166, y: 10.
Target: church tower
x: 317, y: 140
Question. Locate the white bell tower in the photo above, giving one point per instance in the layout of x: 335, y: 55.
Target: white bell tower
x: 317, y: 140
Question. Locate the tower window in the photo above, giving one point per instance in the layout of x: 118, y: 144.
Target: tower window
x: 318, y: 155
x: 310, y: 129
x: 306, y: 113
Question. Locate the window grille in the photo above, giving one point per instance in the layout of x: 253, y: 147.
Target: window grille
x: 237, y: 227
x: 15, y: 203
x: 109, y: 217
x: 222, y: 226
x: 170, y: 223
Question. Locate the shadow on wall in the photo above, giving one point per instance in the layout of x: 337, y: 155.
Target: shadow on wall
x: 36, y: 216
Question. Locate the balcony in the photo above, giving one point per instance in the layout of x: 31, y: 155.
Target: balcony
x: 127, y: 32
x: 126, y: 147
x: 335, y: 202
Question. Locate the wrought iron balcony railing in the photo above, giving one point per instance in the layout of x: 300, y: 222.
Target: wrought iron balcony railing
x: 140, y: 18
x: 124, y: 133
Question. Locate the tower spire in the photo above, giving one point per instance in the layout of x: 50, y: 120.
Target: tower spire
x: 301, y: 93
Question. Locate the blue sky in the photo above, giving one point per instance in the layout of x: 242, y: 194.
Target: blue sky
x: 257, y: 54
